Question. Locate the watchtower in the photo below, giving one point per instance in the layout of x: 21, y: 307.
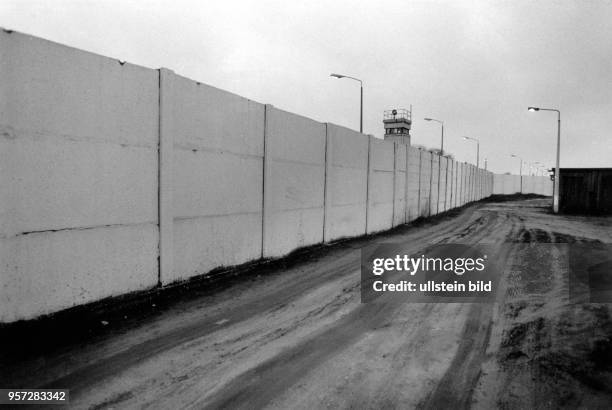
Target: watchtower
x: 397, y: 124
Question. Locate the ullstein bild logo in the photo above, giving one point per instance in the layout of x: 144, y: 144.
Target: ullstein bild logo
x: 441, y: 273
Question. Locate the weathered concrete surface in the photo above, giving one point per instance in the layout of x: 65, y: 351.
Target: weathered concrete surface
x: 294, y: 182
x: 399, y: 191
x: 414, y: 165
x: 442, y: 189
x: 218, y: 178
x: 78, y: 177
x: 460, y: 183
x: 435, y: 189
x: 450, y: 184
x: 346, y: 183
x: 505, y: 184
x: 425, y: 178
x: 300, y: 338
x: 381, y: 185
x: 464, y: 183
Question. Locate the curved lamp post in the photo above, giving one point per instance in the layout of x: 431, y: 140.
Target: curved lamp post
x: 477, y: 149
x: 361, y: 97
x: 557, y: 176
x: 442, y: 140
x: 520, y: 170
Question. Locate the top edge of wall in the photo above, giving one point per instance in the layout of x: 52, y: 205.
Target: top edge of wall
x: 342, y: 127
x: 9, y: 33
x: 28, y: 37
x: 202, y: 84
x: 295, y: 114
x: 380, y: 140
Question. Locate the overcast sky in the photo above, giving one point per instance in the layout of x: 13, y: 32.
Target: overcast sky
x: 477, y: 65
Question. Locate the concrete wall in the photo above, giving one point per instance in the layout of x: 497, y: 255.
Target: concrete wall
x: 217, y: 178
x: 435, y: 189
x: 78, y: 177
x: 464, y: 184
x: 346, y: 183
x: 449, y: 184
x: 504, y: 184
x: 294, y: 182
x: 443, y: 164
x: 399, y: 210
x: 457, y: 184
x: 413, y: 182
x: 425, y: 184
x: 116, y: 178
x: 476, y: 184
x: 380, y: 185
x: 471, y: 183
x: 444, y: 184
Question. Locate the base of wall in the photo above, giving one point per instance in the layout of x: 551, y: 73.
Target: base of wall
x: 516, y: 196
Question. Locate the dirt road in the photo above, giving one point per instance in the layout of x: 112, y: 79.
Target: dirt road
x: 300, y: 338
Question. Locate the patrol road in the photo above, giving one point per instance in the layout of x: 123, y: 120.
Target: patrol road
x: 299, y: 337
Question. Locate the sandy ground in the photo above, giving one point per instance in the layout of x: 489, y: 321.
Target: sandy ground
x: 300, y: 338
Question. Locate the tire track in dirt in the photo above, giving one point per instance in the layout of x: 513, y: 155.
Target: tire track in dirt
x: 101, y: 369
x: 260, y: 385
x: 542, y: 348
x: 456, y: 387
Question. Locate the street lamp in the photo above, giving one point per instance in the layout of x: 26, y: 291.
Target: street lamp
x: 442, y: 140
x: 557, y: 176
x: 361, y: 97
x: 536, y: 165
x: 520, y: 170
x: 477, y: 149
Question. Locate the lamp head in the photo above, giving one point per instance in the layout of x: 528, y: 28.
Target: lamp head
x: 427, y: 119
x: 533, y: 109
x: 336, y: 75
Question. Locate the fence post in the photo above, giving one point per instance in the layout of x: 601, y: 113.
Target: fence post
x: 325, y: 184
x: 453, y: 187
x: 473, y: 183
x: 266, y: 172
x: 446, y: 187
x: 419, y: 193
x: 368, y: 183
x: 165, y: 175
x: 456, y: 167
x: 430, y: 181
x: 465, y: 188
x: 406, y: 216
x: 394, y: 183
